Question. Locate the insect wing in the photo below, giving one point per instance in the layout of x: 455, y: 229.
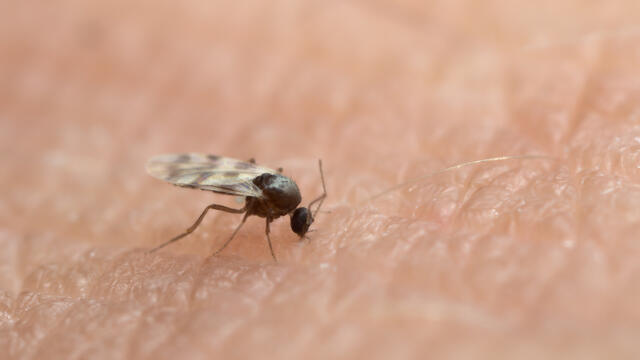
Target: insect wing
x: 208, y: 172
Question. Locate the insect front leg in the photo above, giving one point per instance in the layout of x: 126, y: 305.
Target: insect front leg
x: 195, y: 225
x: 267, y: 230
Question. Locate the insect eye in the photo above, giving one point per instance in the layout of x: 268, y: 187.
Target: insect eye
x: 301, y: 220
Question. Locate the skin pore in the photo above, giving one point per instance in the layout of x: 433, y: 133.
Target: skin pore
x: 522, y: 258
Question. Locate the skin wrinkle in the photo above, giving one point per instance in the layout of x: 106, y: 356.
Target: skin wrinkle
x: 196, y: 283
x: 56, y: 318
x: 237, y: 327
x: 138, y: 328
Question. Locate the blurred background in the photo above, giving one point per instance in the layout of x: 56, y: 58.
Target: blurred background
x: 90, y: 90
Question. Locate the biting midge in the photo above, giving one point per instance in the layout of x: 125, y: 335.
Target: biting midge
x: 267, y: 192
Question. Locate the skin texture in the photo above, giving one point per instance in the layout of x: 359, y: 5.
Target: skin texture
x: 524, y: 259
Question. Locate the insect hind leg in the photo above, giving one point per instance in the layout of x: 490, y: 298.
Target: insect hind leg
x: 244, y: 218
x: 195, y: 225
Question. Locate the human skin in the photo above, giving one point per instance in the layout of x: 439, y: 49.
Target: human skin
x: 525, y: 258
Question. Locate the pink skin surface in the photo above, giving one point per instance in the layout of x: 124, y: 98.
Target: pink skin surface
x: 527, y: 259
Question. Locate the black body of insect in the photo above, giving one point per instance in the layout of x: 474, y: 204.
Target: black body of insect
x: 267, y: 192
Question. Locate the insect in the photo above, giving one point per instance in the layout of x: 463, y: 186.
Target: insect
x: 267, y: 192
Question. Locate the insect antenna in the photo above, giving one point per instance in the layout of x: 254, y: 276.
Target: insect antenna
x: 455, y: 167
x: 319, y: 199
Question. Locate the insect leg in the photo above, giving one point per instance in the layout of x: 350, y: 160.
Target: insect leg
x: 267, y: 230
x: 244, y: 218
x: 195, y: 225
x: 253, y: 161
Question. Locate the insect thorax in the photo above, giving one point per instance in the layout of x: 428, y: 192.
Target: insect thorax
x: 280, y: 196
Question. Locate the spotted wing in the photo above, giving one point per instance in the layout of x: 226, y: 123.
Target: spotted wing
x: 208, y: 172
